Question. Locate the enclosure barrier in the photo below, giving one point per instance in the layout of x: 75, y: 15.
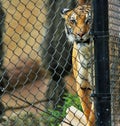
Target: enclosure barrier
x: 37, y: 86
x: 101, y: 42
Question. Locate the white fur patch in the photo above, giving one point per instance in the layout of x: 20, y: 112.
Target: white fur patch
x: 73, y: 16
x: 70, y: 37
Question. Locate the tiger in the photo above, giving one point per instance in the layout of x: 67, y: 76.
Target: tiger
x: 78, y: 22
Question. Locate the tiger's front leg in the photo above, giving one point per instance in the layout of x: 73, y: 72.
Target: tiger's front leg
x: 83, y: 87
x: 87, y: 105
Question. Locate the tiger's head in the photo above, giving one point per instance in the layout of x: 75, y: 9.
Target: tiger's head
x: 78, y: 23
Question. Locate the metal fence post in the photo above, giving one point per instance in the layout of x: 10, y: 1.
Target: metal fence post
x: 102, y: 88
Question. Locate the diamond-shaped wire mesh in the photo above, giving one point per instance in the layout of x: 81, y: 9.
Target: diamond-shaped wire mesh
x: 37, y: 57
x: 37, y: 85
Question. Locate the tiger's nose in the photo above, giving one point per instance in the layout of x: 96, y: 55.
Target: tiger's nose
x: 80, y: 34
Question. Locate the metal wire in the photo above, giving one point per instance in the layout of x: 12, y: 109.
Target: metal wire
x: 36, y: 62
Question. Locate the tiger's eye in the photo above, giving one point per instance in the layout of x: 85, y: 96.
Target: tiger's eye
x: 72, y: 21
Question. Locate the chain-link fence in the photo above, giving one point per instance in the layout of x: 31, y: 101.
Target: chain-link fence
x: 37, y: 84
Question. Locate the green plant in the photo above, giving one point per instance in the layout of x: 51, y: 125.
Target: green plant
x: 56, y: 116
x: 71, y: 100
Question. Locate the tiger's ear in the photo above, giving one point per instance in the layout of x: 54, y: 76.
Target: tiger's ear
x: 64, y: 11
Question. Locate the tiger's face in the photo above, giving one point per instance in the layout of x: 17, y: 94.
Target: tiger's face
x: 77, y: 23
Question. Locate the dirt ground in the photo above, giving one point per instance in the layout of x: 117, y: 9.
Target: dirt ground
x: 33, y: 93
x: 24, y: 30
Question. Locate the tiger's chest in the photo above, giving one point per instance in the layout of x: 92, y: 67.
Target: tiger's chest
x: 84, y: 63
x: 84, y: 55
